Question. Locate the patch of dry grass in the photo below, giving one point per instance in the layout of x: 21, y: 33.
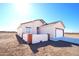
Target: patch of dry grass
x: 10, y: 46
x: 72, y: 35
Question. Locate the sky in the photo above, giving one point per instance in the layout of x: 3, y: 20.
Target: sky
x: 12, y: 14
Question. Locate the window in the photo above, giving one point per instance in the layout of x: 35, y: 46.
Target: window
x: 28, y: 29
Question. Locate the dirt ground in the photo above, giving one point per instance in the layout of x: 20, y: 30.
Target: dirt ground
x: 11, y: 45
x: 72, y: 35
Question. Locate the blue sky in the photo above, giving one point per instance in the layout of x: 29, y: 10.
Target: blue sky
x: 11, y: 15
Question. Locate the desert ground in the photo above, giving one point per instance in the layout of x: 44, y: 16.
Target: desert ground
x: 72, y: 35
x: 11, y: 45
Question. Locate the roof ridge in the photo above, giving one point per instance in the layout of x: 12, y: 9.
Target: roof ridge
x: 35, y: 20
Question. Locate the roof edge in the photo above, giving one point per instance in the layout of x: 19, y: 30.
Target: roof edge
x: 33, y: 21
x: 54, y: 23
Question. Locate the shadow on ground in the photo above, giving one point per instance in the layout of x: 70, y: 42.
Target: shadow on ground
x: 20, y: 40
x: 59, y: 43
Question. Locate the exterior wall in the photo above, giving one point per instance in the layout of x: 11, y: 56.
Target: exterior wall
x: 39, y: 37
x: 33, y: 26
x: 19, y: 32
x: 49, y: 29
x: 36, y: 38
x: 58, y: 25
x: 25, y: 37
x: 32, y: 31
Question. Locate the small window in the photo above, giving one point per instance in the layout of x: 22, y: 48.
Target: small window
x: 28, y: 29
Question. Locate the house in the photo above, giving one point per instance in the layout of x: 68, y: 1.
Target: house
x: 38, y: 30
